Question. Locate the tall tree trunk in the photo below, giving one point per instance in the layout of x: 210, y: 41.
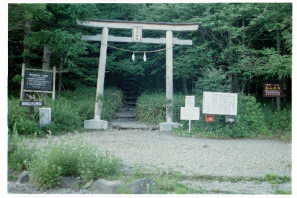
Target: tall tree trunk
x: 60, y: 78
x: 46, y: 57
x: 27, y: 31
x: 185, y: 88
x: 278, y: 43
x: 46, y: 63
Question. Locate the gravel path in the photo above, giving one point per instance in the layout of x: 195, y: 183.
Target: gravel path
x: 164, y: 152
x: 193, y: 156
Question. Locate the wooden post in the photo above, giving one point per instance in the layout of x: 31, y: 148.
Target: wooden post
x: 31, y: 108
x: 169, y: 76
x: 101, y: 75
x: 22, y: 82
x: 54, y: 83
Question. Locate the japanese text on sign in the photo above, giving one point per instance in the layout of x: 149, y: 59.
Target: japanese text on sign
x: 38, y: 81
x: 220, y: 103
x: 272, y: 90
x: 137, y: 34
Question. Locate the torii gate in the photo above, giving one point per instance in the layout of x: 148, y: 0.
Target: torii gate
x: 136, y: 28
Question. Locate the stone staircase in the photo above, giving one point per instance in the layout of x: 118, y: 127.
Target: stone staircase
x: 125, y: 120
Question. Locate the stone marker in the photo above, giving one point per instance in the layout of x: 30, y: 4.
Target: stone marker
x: 44, y: 116
x: 144, y: 186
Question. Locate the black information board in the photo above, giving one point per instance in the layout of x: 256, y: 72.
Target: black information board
x: 38, y: 81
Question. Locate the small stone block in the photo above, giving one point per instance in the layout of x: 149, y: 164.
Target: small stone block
x: 95, y: 124
x: 169, y: 126
x: 45, y: 117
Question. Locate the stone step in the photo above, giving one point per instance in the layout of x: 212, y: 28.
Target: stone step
x: 127, y: 114
x: 130, y: 103
x: 130, y: 97
x: 133, y: 127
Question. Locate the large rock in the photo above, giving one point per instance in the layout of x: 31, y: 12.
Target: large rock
x: 70, y: 182
x: 103, y: 186
x: 88, y: 184
x: 24, y: 177
x: 143, y: 186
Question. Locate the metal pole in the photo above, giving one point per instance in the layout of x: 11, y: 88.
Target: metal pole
x: 169, y: 76
x: 190, y: 126
x: 101, y: 75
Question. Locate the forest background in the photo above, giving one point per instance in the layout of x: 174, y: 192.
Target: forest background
x: 238, y: 47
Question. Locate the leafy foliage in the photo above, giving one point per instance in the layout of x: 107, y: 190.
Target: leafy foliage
x: 252, y: 121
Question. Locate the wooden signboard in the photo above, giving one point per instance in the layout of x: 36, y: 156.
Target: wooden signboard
x: 272, y: 90
x: 38, y: 80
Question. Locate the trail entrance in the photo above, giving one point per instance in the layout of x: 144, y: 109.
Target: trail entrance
x: 137, y: 28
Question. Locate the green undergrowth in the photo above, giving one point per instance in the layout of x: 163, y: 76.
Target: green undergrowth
x: 65, y: 156
x: 252, y: 120
x: 172, y: 182
x: 68, y: 111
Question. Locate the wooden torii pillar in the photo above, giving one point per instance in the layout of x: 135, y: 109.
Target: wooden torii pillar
x: 136, y: 28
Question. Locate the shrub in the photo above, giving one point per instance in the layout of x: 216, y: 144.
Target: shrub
x: 19, y: 153
x: 19, y: 119
x: 70, y: 157
x: 65, y: 117
x: 279, y: 122
x: 68, y: 112
x: 151, y: 107
x: 249, y: 121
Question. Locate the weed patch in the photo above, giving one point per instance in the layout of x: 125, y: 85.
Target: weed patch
x: 69, y: 157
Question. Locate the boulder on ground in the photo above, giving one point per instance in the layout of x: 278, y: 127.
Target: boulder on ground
x: 103, y: 186
x: 24, y: 177
x: 144, y: 186
x: 70, y: 182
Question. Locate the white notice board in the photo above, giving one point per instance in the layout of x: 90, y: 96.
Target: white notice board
x: 220, y: 103
x: 192, y: 113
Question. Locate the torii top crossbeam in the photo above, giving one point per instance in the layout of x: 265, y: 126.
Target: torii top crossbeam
x: 119, y: 24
